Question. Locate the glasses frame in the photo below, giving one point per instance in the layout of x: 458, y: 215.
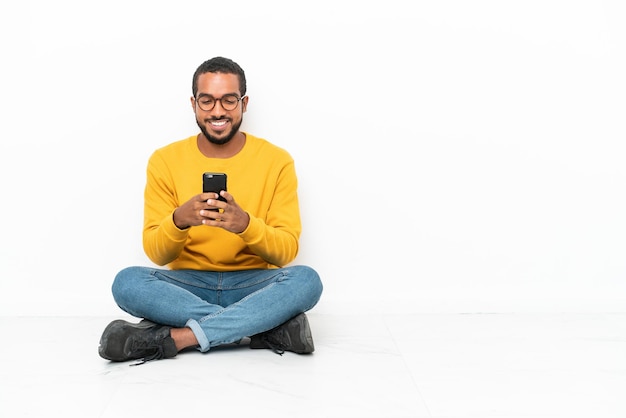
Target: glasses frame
x: 215, y: 100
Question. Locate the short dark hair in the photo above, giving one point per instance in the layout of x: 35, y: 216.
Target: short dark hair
x: 220, y: 65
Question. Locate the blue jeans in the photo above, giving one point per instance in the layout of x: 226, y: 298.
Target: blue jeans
x: 219, y: 307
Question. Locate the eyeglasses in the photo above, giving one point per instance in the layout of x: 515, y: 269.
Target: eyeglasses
x: 228, y: 102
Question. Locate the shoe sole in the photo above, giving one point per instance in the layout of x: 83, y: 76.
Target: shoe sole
x: 305, y: 335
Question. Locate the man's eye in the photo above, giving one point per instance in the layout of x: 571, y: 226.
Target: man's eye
x: 229, y: 100
x: 206, y: 101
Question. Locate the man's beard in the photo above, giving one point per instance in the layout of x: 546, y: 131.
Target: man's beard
x: 219, y: 141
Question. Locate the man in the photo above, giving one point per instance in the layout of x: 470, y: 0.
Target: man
x: 226, y: 252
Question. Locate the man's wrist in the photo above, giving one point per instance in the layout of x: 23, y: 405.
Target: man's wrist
x: 181, y: 227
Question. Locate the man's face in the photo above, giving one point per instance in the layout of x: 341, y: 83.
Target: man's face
x: 218, y: 124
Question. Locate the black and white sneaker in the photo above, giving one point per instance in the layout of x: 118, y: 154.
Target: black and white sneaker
x: 145, y: 341
x: 294, y: 335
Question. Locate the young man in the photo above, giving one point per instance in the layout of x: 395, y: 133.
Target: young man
x: 226, y: 252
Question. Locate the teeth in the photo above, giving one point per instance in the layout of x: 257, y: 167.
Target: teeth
x: 218, y: 123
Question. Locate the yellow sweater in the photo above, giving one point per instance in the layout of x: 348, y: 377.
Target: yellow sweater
x: 262, y: 180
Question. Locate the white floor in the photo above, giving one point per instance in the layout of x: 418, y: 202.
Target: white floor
x: 378, y: 366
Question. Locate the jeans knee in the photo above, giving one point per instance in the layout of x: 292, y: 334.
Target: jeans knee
x: 123, y: 283
x: 311, y: 280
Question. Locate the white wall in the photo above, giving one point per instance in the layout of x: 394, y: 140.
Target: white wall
x: 454, y: 156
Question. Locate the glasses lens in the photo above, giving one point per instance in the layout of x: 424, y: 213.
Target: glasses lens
x: 206, y: 103
x: 229, y: 102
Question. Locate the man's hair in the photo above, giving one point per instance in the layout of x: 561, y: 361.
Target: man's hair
x: 220, y: 65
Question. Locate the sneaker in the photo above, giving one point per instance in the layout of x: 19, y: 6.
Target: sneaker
x: 294, y: 335
x: 123, y: 341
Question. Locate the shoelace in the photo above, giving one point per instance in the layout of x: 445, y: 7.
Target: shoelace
x: 148, y: 345
x: 277, y: 348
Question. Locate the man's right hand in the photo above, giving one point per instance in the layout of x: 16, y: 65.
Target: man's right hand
x: 188, y: 214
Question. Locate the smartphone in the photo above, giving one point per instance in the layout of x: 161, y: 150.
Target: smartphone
x: 214, y: 182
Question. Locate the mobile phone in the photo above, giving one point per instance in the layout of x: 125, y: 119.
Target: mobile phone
x: 214, y: 182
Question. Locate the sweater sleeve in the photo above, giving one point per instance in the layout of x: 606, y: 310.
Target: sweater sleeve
x: 275, y: 239
x: 162, y: 240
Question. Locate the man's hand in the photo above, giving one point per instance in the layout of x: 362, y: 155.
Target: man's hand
x: 205, y: 209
